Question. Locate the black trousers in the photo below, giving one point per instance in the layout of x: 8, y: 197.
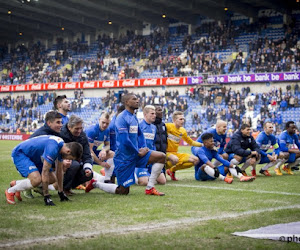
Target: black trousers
x: 75, y: 176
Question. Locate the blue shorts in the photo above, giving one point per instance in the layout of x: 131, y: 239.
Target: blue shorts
x: 125, y: 170
x: 265, y: 159
x: 292, y: 158
x: 24, y: 165
x: 201, y: 175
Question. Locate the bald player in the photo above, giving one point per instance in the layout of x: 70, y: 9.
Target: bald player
x: 99, y: 141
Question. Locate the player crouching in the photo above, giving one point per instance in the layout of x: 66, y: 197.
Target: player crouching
x: 34, y: 158
x: 205, y: 169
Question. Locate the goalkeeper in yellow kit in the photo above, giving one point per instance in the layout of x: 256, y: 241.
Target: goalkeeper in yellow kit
x: 175, y: 133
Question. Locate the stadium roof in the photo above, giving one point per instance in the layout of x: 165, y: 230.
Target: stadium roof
x: 44, y: 18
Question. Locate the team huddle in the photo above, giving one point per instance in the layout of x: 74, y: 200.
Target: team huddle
x: 60, y: 155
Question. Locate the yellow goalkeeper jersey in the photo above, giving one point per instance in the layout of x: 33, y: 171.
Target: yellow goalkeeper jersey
x: 175, y: 135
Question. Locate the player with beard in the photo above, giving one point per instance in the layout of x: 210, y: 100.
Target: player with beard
x: 63, y: 106
x: 242, y: 148
x: 287, y: 141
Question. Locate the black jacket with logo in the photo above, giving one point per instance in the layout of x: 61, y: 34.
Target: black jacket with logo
x: 161, y: 140
x: 242, y: 145
x: 67, y: 136
x: 44, y: 130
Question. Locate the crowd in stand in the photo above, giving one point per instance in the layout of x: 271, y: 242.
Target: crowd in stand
x: 216, y: 103
x: 235, y: 103
x: 264, y: 55
x: 28, y: 116
x: 170, y: 100
x: 269, y: 56
x: 232, y: 108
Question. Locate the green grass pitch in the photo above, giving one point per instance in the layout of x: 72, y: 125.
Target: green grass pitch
x: 192, y: 215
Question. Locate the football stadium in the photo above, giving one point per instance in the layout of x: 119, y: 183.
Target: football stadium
x: 134, y: 124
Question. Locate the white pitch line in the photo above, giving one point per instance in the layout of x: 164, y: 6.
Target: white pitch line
x: 139, y: 228
x: 235, y: 189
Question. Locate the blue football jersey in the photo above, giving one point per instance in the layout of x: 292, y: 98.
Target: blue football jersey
x: 265, y: 141
x: 149, y: 131
x: 65, y: 118
x: 44, y: 147
x: 112, y: 133
x: 219, y: 140
x: 97, y: 136
x: 287, y: 141
x: 129, y: 137
x: 204, y: 154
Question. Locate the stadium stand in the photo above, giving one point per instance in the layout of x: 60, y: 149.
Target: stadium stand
x: 266, y: 45
x: 215, y: 48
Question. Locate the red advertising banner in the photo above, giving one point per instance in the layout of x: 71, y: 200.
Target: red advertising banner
x: 88, y: 85
x: 108, y: 84
x: 128, y: 83
x: 150, y: 82
x: 21, y: 87
x: 14, y: 137
x: 36, y: 87
x: 53, y: 86
x: 174, y: 81
x: 5, y: 88
x: 70, y: 85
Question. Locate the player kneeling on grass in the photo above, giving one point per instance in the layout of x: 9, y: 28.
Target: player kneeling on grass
x: 149, y: 131
x: 219, y: 134
x: 242, y: 148
x: 265, y: 140
x: 98, y: 134
x: 289, y: 143
x: 205, y: 169
x: 34, y: 158
x: 175, y: 133
x: 131, y: 153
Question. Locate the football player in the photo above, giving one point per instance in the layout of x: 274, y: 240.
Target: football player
x: 176, y: 132
x: 33, y: 159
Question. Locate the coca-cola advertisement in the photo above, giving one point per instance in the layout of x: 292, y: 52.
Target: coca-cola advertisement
x: 108, y: 84
x: 5, y: 88
x: 150, y: 82
x: 89, y: 85
x: 36, y: 87
x: 128, y: 83
x: 70, y: 85
x: 174, y: 81
x: 53, y: 86
x: 21, y: 87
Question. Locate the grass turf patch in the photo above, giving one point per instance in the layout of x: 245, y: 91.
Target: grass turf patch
x: 191, y: 215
